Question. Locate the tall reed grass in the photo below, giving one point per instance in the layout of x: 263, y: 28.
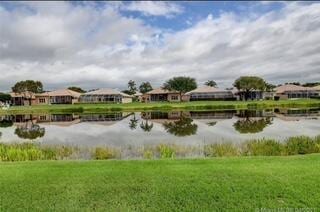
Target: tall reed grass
x: 257, y: 147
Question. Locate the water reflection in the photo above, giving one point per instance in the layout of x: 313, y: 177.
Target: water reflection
x: 155, y: 126
x: 181, y: 127
x: 28, y: 129
x: 252, y: 121
x: 6, y: 123
x: 133, y: 122
x: 146, y: 126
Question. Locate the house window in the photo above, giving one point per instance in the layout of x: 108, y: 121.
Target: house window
x: 42, y: 100
x: 174, y: 97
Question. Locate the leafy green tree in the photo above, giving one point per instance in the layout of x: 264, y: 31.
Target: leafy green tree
x: 28, y: 86
x: 180, y: 84
x: 182, y: 127
x: 247, y: 84
x: 5, y: 97
x: 25, y: 87
x: 145, y: 126
x: 211, y: 83
x: 77, y: 89
x: 311, y: 84
x: 145, y: 87
x: 270, y: 87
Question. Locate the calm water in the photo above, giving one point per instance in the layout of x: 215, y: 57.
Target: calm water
x: 121, y: 129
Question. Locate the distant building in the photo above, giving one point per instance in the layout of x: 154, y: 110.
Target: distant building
x: 63, y: 96
x: 161, y: 95
x: 290, y: 91
x: 253, y: 94
x: 317, y: 89
x: 208, y: 93
x: 29, y: 98
x: 105, y: 95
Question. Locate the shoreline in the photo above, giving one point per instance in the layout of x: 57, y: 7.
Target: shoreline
x: 165, y: 106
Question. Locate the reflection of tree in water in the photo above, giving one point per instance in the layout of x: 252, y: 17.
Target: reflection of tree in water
x: 133, y: 122
x: 211, y: 124
x: 6, y: 123
x: 30, y: 131
x: 145, y: 126
x: 182, y: 127
x: 251, y: 125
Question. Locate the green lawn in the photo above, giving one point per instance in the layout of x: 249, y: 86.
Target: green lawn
x: 162, y: 185
x: 197, y: 105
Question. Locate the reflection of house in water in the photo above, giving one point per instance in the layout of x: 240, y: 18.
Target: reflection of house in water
x: 58, y: 119
x: 106, y: 118
x: 211, y: 114
x: 296, y: 114
x: 254, y: 113
x: 54, y: 119
x: 154, y: 115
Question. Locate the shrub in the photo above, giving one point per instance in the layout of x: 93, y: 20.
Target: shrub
x: 219, y: 150
x: 266, y: 147
x: 104, y: 153
x: 166, y: 151
x: 148, y: 154
x: 301, y: 145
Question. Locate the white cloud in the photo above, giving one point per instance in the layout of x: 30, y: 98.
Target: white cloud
x: 154, y: 8
x: 90, y: 47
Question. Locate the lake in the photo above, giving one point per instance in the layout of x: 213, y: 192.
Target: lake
x: 149, y: 128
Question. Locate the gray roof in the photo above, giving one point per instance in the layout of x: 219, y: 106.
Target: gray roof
x: 106, y: 91
x: 206, y: 89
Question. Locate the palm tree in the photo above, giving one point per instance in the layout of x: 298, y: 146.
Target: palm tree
x: 145, y: 126
x: 133, y: 122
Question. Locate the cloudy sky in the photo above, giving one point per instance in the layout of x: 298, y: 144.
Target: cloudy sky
x: 105, y: 44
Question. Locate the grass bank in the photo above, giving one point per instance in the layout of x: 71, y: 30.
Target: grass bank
x: 238, y: 184
x: 197, y: 105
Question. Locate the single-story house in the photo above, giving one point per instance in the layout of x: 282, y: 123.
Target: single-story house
x: 317, y: 88
x: 208, y: 93
x: 29, y: 98
x: 290, y: 91
x: 161, y: 95
x: 252, y: 95
x: 64, y: 96
x: 105, y: 95
x: 138, y: 96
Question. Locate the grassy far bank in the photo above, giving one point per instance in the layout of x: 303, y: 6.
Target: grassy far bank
x: 197, y: 105
x: 164, y: 185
